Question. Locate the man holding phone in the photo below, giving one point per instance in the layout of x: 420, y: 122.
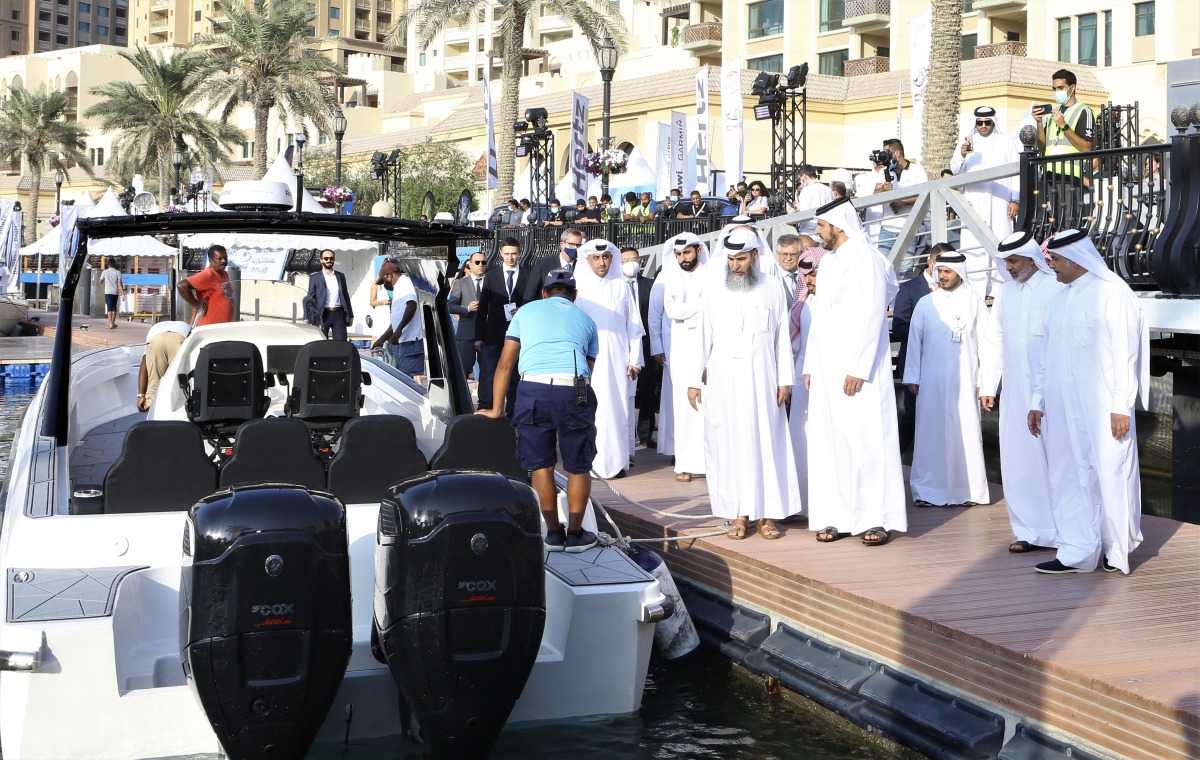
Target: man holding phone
x: 1065, y: 132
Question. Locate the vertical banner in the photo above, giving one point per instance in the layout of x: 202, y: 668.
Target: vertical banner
x: 427, y: 205
x: 662, y: 167
x: 69, y: 240
x: 731, y: 118
x: 463, y: 216
x: 579, y: 124
x: 679, y: 149
x: 920, y: 41
x: 702, y: 130
x: 493, y: 175
x: 10, y: 239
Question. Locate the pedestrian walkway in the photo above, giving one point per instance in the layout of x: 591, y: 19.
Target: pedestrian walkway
x: 1111, y: 659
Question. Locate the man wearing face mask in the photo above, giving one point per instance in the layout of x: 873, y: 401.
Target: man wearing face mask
x: 669, y: 208
x: 568, y: 252
x: 645, y: 392
x: 812, y: 195
x: 1066, y: 131
x: 556, y: 217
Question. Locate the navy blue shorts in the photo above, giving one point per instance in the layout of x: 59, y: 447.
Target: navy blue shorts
x: 110, y: 303
x: 547, y: 418
x: 410, y: 357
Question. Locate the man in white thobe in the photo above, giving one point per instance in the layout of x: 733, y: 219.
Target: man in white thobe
x: 604, y: 297
x: 1095, y: 368
x: 943, y: 371
x: 800, y: 326
x: 986, y: 145
x: 743, y: 380
x: 1018, y: 326
x: 855, y: 481
x: 682, y: 280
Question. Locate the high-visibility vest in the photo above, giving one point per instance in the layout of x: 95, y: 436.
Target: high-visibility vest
x: 1057, y: 143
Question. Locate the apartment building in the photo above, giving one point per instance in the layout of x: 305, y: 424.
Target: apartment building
x: 14, y: 27
x: 350, y: 26
x: 59, y: 24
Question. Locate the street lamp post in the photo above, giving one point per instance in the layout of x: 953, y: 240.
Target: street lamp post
x: 606, y: 56
x: 58, y: 183
x: 339, y: 131
x: 300, y: 140
x: 177, y: 160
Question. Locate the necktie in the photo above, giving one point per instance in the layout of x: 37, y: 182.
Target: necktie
x: 794, y: 276
x: 571, y: 267
x: 510, y: 284
x: 632, y: 291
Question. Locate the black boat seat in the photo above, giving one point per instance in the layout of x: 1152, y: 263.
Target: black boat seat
x: 273, y: 450
x: 376, y: 451
x: 474, y: 442
x: 326, y: 387
x: 226, y: 387
x: 163, y: 467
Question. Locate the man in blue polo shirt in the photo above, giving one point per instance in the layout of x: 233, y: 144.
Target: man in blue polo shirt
x: 554, y: 345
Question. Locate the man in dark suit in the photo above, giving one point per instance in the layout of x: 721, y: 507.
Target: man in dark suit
x: 910, y: 292
x: 327, y: 304
x: 464, y: 303
x: 503, y: 292
x: 649, y: 381
x: 568, y: 243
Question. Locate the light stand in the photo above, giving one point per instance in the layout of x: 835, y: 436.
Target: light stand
x: 58, y: 183
x: 782, y: 102
x: 536, y: 140
x: 300, y: 140
x: 606, y: 55
x: 177, y: 160
x: 339, y: 131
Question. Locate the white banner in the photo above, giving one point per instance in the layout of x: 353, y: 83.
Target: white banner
x: 662, y: 166
x: 731, y: 119
x: 579, y: 125
x: 920, y: 42
x: 259, y: 263
x: 10, y: 242
x: 69, y: 240
x: 679, y: 150
x: 702, y: 130
x: 493, y: 176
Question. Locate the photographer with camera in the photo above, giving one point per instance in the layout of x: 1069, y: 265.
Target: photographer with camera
x: 898, y: 172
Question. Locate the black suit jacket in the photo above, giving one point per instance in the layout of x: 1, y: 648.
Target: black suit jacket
x: 910, y: 292
x: 537, y: 275
x: 462, y: 292
x: 490, y: 324
x: 644, y: 285
x: 318, y: 296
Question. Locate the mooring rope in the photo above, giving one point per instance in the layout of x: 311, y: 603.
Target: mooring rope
x: 624, y: 541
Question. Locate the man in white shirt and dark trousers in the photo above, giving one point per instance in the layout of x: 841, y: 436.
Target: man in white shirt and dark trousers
x: 405, y: 336
x: 327, y: 291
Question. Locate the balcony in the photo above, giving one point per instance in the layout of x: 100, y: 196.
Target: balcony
x: 363, y: 25
x: 159, y: 24
x: 160, y: 6
x: 876, y: 64
x: 554, y: 23
x: 384, y: 6
x: 999, y: 5
x: 702, y: 38
x: 457, y: 63
x: 453, y: 34
x: 362, y: 5
x: 1002, y: 48
x: 867, y: 13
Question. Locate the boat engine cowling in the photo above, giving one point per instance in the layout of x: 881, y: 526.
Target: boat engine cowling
x: 265, y: 629
x: 460, y: 602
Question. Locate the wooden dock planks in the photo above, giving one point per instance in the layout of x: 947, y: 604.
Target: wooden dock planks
x: 1108, y: 658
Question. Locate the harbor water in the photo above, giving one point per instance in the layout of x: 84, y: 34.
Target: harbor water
x: 698, y: 709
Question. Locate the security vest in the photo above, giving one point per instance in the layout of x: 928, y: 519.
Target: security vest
x: 1057, y: 143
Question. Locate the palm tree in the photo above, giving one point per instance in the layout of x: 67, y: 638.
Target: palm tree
x: 155, y: 118
x: 939, y: 127
x: 595, y: 21
x: 32, y: 128
x: 266, y: 57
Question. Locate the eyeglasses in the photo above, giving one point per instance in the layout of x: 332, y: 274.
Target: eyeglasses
x: 983, y: 122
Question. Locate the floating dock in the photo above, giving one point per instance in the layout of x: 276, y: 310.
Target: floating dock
x: 945, y: 617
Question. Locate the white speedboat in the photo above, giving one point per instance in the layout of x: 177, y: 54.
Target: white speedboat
x: 295, y: 544
x: 13, y: 310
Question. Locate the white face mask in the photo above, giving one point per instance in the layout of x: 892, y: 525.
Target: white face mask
x: 631, y: 268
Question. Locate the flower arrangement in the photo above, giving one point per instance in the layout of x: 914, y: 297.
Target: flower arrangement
x: 338, y: 194
x: 606, y: 162
x: 53, y: 221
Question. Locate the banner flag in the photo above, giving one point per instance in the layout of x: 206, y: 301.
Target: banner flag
x: 731, y: 118
x: 702, y: 169
x: 579, y: 125
x: 493, y: 175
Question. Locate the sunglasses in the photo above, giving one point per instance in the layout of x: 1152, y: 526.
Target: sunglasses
x: 323, y: 258
x: 479, y: 263
x: 983, y: 122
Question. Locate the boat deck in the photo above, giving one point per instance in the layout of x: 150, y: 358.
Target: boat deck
x: 1111, y: 659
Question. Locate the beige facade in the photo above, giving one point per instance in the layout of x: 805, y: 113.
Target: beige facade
x: 14, y: 27
x: 57, y: 25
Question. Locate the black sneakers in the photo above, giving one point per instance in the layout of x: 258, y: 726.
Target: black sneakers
x: 1055, y: 567
x: 556, y: 541
x: 572, y: 543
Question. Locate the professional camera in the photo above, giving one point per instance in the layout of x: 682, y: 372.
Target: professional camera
x: 886, y: 159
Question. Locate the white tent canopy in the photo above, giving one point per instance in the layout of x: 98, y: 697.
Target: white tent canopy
x: 142, y: 245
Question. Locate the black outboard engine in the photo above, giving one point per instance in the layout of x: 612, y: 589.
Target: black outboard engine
x: 460, y: 602
x: 265, y: 630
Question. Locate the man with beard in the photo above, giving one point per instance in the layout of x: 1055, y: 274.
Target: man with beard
x: 1018, y: 327
x: 855, y: 482
x: 1095, y: 367
x: 800, y: 324
x: 603, y: 296
x: 948, y: 341
x: 995, y: 201
x: 680, y: 287
x: 743, y: 379
x: 328, y: 293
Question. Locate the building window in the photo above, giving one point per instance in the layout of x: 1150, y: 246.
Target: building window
x: 63, y: 19
x: 1108, y: 38
x: 968, y: 6
x: 1087, y: 39
x: 772, y: 63
x: 61, y: 39
x: 16, y: 35
x: 832, y: 13
x: 766, y: 18
x: 322, y: 138
x: 1064, y: 39
x: 121, y: 12
x: 335, y: 12
x: 102, y: 31
x: 334, y: 33
x: 43, y: 15
x: 1143, y: 19
x: 833, y: 64
x: 120, y: 31
x: 16, y: 15
x: 968, y: 46
x: 85, y: 7
x: 43, y: 36
x: 422, y: 59
x: 102, y: 11
x: 196, y: 17
x: 97, y: 156
x: 85, y: 26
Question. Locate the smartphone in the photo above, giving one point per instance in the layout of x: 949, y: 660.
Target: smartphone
x: 1045, y: 109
